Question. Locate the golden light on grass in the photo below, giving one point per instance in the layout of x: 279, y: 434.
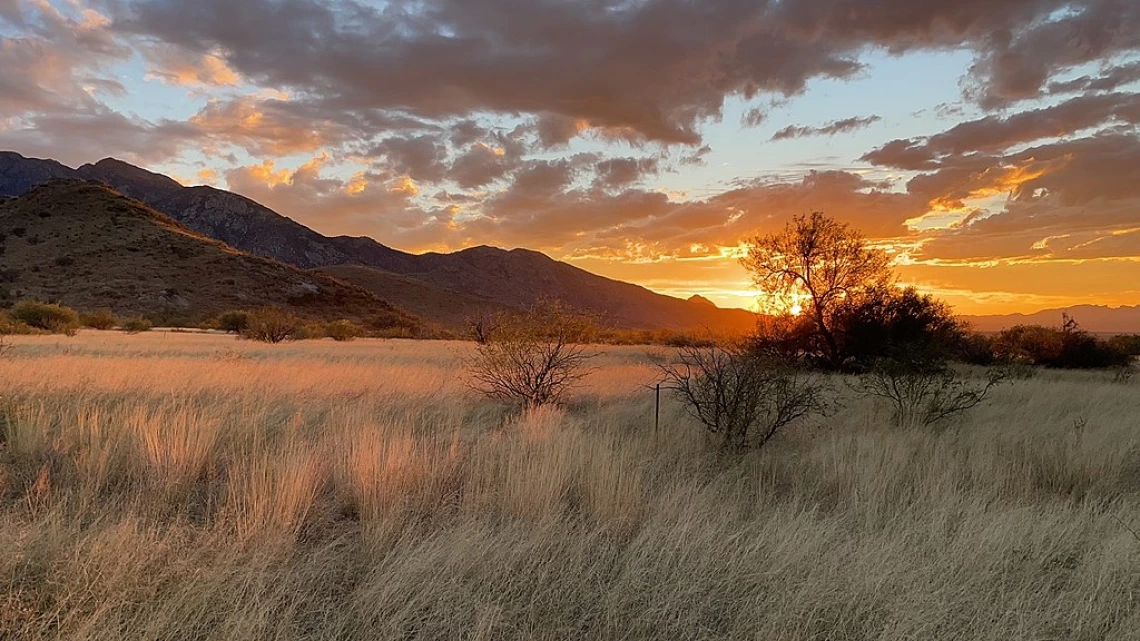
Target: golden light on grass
x: 176, y: 485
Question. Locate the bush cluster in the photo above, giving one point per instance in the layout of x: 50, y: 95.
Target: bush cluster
x: 49, y: 317
x: 1064, y: 347
x: 101, y: 318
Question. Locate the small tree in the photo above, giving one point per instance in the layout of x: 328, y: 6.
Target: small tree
x: 821, y: 266
x: 533, y: 358
x: 234, y: 321
x: 271, y: 325
x: 742, y: 397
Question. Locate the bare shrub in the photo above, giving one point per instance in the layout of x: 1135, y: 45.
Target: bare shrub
x: 481, y: 326
x: 533, y: 358
x: 924, y: 394
x: 271, y: 325
x: 342, y: 331
x: 742, y: 397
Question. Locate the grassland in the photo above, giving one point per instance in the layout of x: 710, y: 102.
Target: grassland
x: 183, y: 486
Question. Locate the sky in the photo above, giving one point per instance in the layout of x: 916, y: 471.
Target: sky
x: 992, y: 147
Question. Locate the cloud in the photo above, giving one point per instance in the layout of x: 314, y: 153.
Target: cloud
x: 996, y: 133
x: 1109, y: 79
x: 830, y: 129
x: 1017, y: 64
x: 616, y: 173
x: 174, y: 67
x: 654, y: 69
x: 357, y: 204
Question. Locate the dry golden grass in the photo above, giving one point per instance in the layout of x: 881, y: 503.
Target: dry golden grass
x: 188, y: 486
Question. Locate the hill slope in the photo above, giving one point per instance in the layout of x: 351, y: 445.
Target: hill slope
x: 513, y: 278
x: 86, y: 246
x: 449, y: 309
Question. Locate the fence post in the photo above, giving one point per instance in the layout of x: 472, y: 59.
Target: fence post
x: 657, y: 409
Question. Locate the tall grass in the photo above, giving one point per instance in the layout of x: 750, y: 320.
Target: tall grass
x: 194, y: 487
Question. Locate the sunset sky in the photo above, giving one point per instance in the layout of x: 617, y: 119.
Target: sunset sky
x: 992, y: 146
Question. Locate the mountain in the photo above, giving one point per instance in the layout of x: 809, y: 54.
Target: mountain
x: 1093, y: 318
x: 512, y: 278
x: 85, y: 245
x: 448, y: 308
x: 19, y: 174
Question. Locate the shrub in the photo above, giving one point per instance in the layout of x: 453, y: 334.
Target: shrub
x: 56, y: 319
x: 102, y: 319
x: 890, y: 321
x: 271, y: 325
x: 342, y: 330
x: 1126, y: 343
x: 308, y: 332
x: 534, y: 358
x: 1064, y: 347
x: 136, y: 325
x: 741, y: 397
x: 924, y: 390
x: 10, y: 326
x: 234, y: 322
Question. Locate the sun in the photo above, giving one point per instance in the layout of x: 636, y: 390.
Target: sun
x: 796, y: 309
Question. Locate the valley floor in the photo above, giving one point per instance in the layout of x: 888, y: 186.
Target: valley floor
x: 192, y: 486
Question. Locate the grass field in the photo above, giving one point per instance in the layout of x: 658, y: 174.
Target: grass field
x: 189, y: 486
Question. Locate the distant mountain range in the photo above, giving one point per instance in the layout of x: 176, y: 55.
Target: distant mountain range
x: 439, y: 288
x: 1093, y: 318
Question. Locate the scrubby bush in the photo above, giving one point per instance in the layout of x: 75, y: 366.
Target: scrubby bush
x: 342, y: 330
x: 1126, y: 343
x: 887, y: 322
x: 136, y: 325
x: 10, y: 326
x: 1064, y: 347
x: 308, y: 332
x: 234, y: 322
x: 271, y: 325
x: 742, y: 397
x: 924, y: 390
x: 533, y: 358
x: 101, y: 318
x: 54, y: 318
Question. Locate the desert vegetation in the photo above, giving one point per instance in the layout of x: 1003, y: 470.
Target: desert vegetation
x: 862, y: 466
x: 194, y: 486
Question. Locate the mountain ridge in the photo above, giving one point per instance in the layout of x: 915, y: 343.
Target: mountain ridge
x: 515, y: 278
x: 1101, y: 319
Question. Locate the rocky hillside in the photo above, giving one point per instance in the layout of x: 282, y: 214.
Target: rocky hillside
x: 85, y: 245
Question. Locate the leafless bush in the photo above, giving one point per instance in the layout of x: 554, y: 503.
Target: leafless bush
x: 741, y: 397
x: 532, y: 358
x: 925, y: 395
x: 482, y: 325
x: 270, y: 325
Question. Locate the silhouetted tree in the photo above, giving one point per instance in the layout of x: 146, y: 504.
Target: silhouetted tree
x: 822, y: 265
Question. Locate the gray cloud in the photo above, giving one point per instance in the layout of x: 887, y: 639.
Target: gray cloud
x: 830, y: 129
